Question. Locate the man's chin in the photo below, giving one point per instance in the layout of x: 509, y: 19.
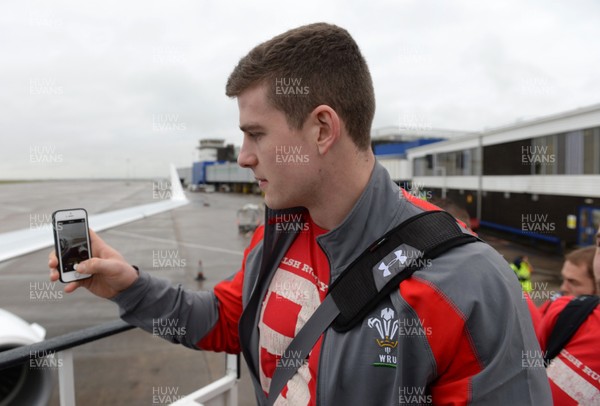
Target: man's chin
x: 274, y: 203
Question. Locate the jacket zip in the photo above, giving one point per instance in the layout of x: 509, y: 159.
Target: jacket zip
x: 321, y: 366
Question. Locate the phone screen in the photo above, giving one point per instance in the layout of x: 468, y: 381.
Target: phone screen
x: 73, y: 243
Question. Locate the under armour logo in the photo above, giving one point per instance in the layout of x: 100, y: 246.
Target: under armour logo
x: 386, y: 268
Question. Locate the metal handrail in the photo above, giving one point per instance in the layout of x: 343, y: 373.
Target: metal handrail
x: 225, y: 387
x: 16, y: 356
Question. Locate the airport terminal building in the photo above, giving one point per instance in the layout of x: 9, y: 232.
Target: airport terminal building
x: 537, y: 179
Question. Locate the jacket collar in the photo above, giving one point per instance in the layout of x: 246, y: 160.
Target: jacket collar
x: 378, y: 209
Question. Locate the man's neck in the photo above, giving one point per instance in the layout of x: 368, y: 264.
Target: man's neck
x: 340, y: 191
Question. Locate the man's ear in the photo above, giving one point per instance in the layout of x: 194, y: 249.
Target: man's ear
x: 327, y: 124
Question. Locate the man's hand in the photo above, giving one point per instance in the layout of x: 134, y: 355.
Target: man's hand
x: 110, y: 272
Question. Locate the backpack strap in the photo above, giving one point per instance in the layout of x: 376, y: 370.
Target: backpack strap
x: 568, y: 322
x: 420, y: 239
x: 358, y: 289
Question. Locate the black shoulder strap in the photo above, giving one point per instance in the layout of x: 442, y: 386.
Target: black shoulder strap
x: 356, y: 291
x: 568, y: 322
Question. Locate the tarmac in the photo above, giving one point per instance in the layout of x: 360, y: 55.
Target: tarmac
x: 129, y: 368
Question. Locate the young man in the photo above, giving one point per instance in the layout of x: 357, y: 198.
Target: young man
x: 454, y: 333
x: 575, y: 373
x: 577, y: 274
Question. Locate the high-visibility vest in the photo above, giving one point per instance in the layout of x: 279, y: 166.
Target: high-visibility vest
x: 524, y: 274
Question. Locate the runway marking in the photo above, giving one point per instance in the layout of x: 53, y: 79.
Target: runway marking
x: 186, y: 244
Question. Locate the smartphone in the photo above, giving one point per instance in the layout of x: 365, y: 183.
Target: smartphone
x: 71, y: 242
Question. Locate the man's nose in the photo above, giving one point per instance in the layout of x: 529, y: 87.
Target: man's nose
x: 247, y: 157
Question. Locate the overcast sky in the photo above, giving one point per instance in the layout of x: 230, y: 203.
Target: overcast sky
x: 122, y: 88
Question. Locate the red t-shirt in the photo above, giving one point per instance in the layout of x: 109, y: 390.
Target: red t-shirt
x: 296, y: 290
x: 575, y: 373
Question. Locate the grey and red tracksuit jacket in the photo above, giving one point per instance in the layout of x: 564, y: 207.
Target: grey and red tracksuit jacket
x: 464, y: 334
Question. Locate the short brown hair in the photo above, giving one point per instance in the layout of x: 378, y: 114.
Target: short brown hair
x: 584, y: 256
x: 325, y: 64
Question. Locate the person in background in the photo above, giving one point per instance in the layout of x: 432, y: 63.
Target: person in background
x: 523, y: 269
x: 200, y: 275
x: 574, y: 373
x: 577, y: 274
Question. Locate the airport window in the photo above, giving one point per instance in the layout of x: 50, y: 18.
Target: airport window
x: 429, y: 159
x: 591, y: 151
x: 452, y: 163
x: 543, y: 155
x: 441, y: 166
x: 423, y: 166
x: 472, y: 162
x: 455, y: 163
x: 419, y: 166
x: 560, y: 141
x: 459, y: 161
x: 466, y: 162
x: 574, y: 153
x: 508, y: 158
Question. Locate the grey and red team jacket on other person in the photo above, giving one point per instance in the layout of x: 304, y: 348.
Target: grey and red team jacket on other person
x: 476, y: 343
